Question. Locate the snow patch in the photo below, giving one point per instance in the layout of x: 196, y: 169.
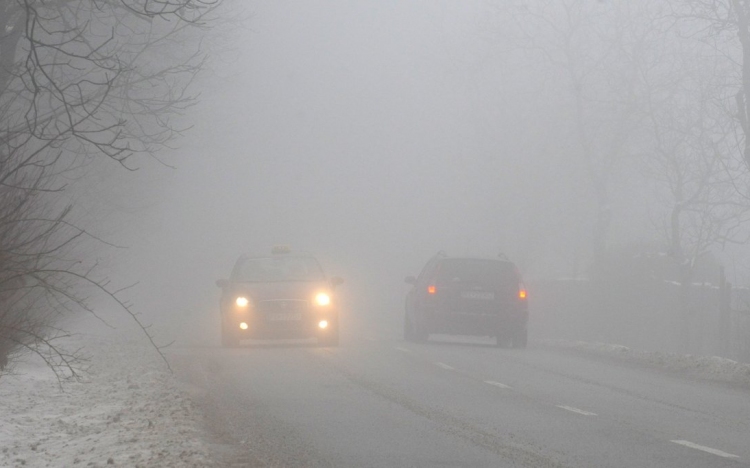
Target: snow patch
x: 705, y: 367
x: 130, y: 411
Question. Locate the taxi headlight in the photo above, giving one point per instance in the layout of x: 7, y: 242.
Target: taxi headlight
x: 242, y: 301
x: 322, y: 299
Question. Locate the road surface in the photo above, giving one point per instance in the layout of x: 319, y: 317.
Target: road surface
x: 379, y: 401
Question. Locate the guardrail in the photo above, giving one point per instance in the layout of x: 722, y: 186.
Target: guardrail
x: 644, y: 314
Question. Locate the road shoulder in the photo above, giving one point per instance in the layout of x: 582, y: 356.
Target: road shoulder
x: 128, y: 411
x: 708, y: 368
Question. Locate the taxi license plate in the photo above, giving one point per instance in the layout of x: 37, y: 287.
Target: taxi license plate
x: 282, y: 317
x: 479, y: 295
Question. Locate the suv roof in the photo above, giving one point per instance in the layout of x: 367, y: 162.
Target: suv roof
x: 500, y: 257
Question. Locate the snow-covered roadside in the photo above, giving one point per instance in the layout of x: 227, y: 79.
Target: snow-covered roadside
x: 703, y: 367
x: 130, y: 411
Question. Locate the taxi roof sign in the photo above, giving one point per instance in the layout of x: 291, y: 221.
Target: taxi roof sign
x: 280, y: 249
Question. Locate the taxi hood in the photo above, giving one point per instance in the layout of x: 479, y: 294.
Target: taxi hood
x: 297, y: 290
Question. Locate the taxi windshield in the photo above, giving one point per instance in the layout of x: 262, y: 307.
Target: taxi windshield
x: 279, y: 269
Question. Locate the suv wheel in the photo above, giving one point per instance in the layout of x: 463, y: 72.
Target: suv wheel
x: 501, y: 340
x: 228, y: 339
x: 520, y: 337
x: 408, y: 329
x: 420, y: 332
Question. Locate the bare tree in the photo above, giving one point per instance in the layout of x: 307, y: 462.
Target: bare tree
x: 78, y: 79
x: 725, y: 26
x: 688, y: 145
x: 592, y: 46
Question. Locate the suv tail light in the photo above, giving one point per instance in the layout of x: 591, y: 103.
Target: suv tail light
x: 431, y: 289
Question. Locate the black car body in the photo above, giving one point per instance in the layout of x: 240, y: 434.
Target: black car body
x: 467, y: 296
x: 277, y: 296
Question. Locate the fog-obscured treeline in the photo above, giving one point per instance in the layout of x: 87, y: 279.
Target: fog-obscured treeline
x: 377, y: 133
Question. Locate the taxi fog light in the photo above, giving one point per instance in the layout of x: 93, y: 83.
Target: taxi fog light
x: 243, y: 326
x: 322, y: 299
x: 323, y: 324
x: 242, y: 301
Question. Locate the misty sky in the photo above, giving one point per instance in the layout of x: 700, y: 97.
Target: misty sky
x: 349, y: 130
x: 372, y: 134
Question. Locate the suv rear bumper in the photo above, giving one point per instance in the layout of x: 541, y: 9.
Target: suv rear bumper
x: 477, y: 324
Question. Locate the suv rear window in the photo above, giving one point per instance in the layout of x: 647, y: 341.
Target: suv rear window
x: 479, y: 271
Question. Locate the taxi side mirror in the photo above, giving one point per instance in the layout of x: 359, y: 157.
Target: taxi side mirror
x: 222, y: 283
x: 337, y: 280
x: 410, y: 280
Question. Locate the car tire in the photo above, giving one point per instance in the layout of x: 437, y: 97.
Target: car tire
x: 228, y: 339
x: 408, y: 329
x: 501, y: 340
x: 521, y: 338
x: 331, y: 338
x: 421, y: 334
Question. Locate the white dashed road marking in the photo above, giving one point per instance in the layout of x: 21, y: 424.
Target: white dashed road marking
x: 405, y: 350
x: 444, y: 366
x: 576, y: 410
x: 497, y: 384
x: 704, y: 449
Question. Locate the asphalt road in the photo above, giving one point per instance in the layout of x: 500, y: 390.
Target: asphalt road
x: 379, y: 401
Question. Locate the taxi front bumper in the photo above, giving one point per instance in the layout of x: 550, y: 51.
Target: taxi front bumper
x: 258, y: 325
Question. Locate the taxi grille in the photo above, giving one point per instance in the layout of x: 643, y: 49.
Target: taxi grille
x: 282, y: 306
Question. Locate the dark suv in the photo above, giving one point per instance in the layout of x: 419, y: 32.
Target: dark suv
x: 467, y: 296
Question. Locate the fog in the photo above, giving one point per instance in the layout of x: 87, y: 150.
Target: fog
x: 601, y: 146
x: 372, y: 135
x: 375, y: 134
